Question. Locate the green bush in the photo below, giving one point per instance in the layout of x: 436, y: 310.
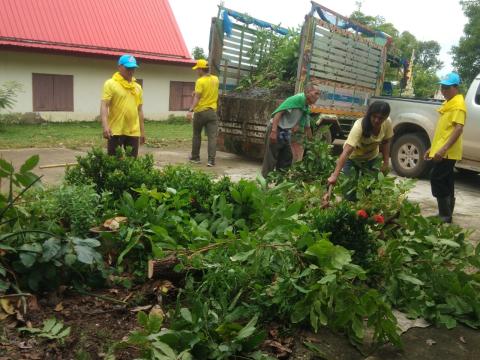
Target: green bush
x: 68, y: 208
x: 346, y: 229
x: 115, y: 174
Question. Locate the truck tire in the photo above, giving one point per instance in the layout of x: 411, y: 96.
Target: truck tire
x: 407, y: 155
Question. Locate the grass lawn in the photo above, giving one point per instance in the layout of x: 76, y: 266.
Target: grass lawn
x: 86, y: 134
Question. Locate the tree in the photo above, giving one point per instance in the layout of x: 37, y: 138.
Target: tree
x: 465, y: 55
x: 426, y: 55
x: 198, y: 53
x: 8, y: 94
x: 425, y: 81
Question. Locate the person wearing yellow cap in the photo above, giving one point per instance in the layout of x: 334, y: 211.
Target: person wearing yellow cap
x: 121, y: 108
x: 446, y: 146
x: 204, y: 112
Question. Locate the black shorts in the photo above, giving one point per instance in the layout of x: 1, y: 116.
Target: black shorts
x: 123, y: 141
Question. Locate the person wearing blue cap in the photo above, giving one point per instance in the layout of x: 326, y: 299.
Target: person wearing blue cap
x: 121, y: 109
x: 446, y: 146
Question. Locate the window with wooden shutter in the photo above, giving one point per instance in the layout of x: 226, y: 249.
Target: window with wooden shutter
x: 181, y: 95
x: 52, y: 92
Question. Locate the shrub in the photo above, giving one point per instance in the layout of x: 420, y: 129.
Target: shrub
x: 72, y: 208
x: 115, y: 174
x: 346, y: 229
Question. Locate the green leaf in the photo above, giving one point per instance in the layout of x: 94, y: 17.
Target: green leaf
x: 328, y: 278
x: 30, y: 163
x: 357, y: 327
x: 242, y: 256
x: 131, y: 243
x: 449, y: 243
x: 409, y: 278
x: 7, y: 247
x: 167, y: 350
x: 70, y: 259
x: 49, y: 324
x: 28, y: 259
x: 35, y: 247
x: 236, y: 195
x: 85, y: 254
x: 154, y: 324
x: 8, y: 167
x: 142, y: 319
x: 87, y: 242
x: 51, y: 247
x: 4, y: 285
x: 186, y: 315
x: 248, y: 329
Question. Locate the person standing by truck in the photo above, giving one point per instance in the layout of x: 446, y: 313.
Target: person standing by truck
x: 291, y: 116
x: 121, y: 108
x: 368, y: 137
x: 446, y: 147
x: 204, y: 112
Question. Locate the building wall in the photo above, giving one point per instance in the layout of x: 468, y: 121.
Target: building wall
x: 89, y: 74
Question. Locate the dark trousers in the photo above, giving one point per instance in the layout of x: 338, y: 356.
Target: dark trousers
x: 352, y: 168
x: 277, y: 156
x: 442, y: 178
x: 205, y: 119
x: 123, y: 141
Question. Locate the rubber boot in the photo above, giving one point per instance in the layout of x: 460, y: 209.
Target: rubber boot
x: 445, y: 209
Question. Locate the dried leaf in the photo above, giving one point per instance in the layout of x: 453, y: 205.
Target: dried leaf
x: 7, y: 307
x: 59, y: 307
x: 141, y: 308
x: 462, y: 339
x: 430, y: 342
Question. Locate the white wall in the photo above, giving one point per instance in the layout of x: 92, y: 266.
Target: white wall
x: 89, y: 74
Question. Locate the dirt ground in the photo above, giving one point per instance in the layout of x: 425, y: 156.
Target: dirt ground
x: 105, y: 322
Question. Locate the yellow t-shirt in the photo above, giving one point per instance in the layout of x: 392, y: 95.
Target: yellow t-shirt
x: 207, y: 87
x: 123, y: 110
x: 451, y: 112
x: 365, y: 149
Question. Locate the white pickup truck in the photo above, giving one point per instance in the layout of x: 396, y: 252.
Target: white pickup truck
x: 414, y: 123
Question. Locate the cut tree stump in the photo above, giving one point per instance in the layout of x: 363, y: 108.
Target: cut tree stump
x: 163, y: 268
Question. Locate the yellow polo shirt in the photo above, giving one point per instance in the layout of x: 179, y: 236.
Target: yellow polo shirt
x: 365, y: 149
x: 452, y: 112
x: 123, y: 110
x: 207, y: 87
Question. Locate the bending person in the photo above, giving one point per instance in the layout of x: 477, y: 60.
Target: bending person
x: 292, y: 116
x: 368, y: 137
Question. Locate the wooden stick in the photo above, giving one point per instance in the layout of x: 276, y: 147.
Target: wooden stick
x: 56, y: 165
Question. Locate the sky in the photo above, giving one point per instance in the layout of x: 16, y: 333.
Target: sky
x: 439, y: 20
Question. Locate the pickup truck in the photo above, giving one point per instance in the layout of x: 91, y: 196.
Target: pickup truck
x: 414, y: 123
x: 347, y: 61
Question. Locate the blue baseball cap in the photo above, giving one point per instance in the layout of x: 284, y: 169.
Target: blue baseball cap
x: 128, y: 61
x: 450, y: 79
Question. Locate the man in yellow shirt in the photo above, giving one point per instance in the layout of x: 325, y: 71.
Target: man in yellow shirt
x: 122, y: 108
x: 446, y: 146
x: 204, y: 112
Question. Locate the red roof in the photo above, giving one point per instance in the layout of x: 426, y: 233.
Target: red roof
x: 144, y: 28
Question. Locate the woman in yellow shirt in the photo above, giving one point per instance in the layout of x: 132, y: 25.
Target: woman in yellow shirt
x: 368, y: 137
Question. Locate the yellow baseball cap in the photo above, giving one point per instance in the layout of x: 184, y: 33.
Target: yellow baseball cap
x: 201, y: 64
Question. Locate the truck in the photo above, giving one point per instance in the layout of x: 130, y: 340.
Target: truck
x: 347, y: 60
x: 414, y: 122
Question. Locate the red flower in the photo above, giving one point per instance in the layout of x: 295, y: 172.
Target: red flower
x: 362, y: 213
x: 379, y: 219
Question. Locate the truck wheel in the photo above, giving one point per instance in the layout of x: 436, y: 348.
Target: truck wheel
x: 407, y: 155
